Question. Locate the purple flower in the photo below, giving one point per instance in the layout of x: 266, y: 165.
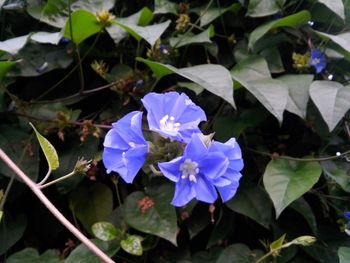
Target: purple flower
x: 233, y: 153
x: 317, y: 60
x: 125, y: 149
x: 195, y: 172
x: 173, y: 115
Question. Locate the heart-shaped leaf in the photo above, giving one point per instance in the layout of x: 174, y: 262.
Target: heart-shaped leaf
x: 184, y: 40
x: 337, y: 6
x: 105, y: 231
x: 287, y: 180
x: 132, y: 245
x: 214, y: 78
x: 254, y: 75
x: 294, y: 20
x: 298, y: 89
x: 338, y: 98
x: 152, y: 214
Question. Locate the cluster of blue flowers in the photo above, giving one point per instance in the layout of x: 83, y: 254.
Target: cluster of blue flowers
x: 204, y: 169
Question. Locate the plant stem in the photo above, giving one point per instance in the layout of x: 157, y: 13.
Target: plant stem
x: 36, y: 190
x: 8, y: 188
x: 285, y: 157
x: 41, y: 185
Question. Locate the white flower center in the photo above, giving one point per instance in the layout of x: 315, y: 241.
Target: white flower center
x: 168, y: 124
x: 189, y: 169
x: 315, y: 61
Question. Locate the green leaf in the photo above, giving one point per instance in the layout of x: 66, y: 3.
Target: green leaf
x: 343, y: 39
x: 149, y: 33
x: 46, y: 37
x: 298, y: 89
x: 98, y: 207
x: 5, y: 66
x: 273, y: 59
x: 165, y: 7
x: 158, y: 219
x: 344, y: 254
x: 287, y: 180
x: 254, y: 75
x: 336, y: 6
x: 184, y: 40
x: 277, y: 243
x: 132, y: 245
x: 105, y: 231
x: 37, y: 59
x: 83, y: 24
x: 214, y: 78
x: 208, y: 16
x: 13, y: 45
x: 82, y: 254
x: 14, y: 141
x: 338, y: 98
x: 294, y: 21
x: 226, y: 127
x: 55, y: 12
x: 30, y: 255
x: 260, y: 8
x: 337, y: 170
x: 117, y: 33
x: 72, y: 149
x: 252, y: 201
x: 239, y: 253
x: 305, y: 210
x: 48, y: 150
x: 11, y: 231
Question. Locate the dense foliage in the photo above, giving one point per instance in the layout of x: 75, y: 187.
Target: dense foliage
x: 274, y: 74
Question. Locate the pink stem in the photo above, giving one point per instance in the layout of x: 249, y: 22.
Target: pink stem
x: 91, y: 246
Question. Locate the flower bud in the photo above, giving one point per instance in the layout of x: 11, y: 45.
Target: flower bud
x: 304, y: 241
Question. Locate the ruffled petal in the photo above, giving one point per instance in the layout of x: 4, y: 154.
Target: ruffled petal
x: 171, y: 170
x: 184, y: 193
x: 205, y: 191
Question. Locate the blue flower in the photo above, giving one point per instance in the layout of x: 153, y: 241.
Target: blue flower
x: 233, y: 153
x: 317, y: 60
x: 173, y: 115
x: 125, y: 149
x: 347, y: 215
x: 195, y: 172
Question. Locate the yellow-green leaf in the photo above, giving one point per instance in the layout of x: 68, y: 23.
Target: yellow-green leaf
x: 48, y: 149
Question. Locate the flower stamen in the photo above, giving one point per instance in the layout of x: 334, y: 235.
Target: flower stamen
x: 189, y: 169
x: 168, y: 124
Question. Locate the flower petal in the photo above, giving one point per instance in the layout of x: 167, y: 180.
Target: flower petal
x: 184, y: 193
x: 205, y: 191
x: 171, y: 170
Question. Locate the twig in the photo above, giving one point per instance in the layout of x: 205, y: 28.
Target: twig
x: 35, y: 189
x: 285, y: 157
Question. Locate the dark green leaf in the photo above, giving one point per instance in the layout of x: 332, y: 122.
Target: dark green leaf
x: 98, y: 207
x: 158, y: 218
x: 11, y: 230
x: 287, y: 180
x: 252, y: 201
x: 304, y: 209
x: 239, y: 253
x: 294, y: 20
x: 15, y: 143
x: 13, y: 45
x: 164, y: 7
x: 5, y: 66
x: 30, y: 255
x: 337, y: 170
x: 82, y: 254
x: 336, y: 6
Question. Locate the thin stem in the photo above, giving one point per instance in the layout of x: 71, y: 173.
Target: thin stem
x: 46, y: 177
x: 155, y: 171
x: 8, y: 188
x: 320, y: 159
x: 35, y: 189
x: 41, y: 186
